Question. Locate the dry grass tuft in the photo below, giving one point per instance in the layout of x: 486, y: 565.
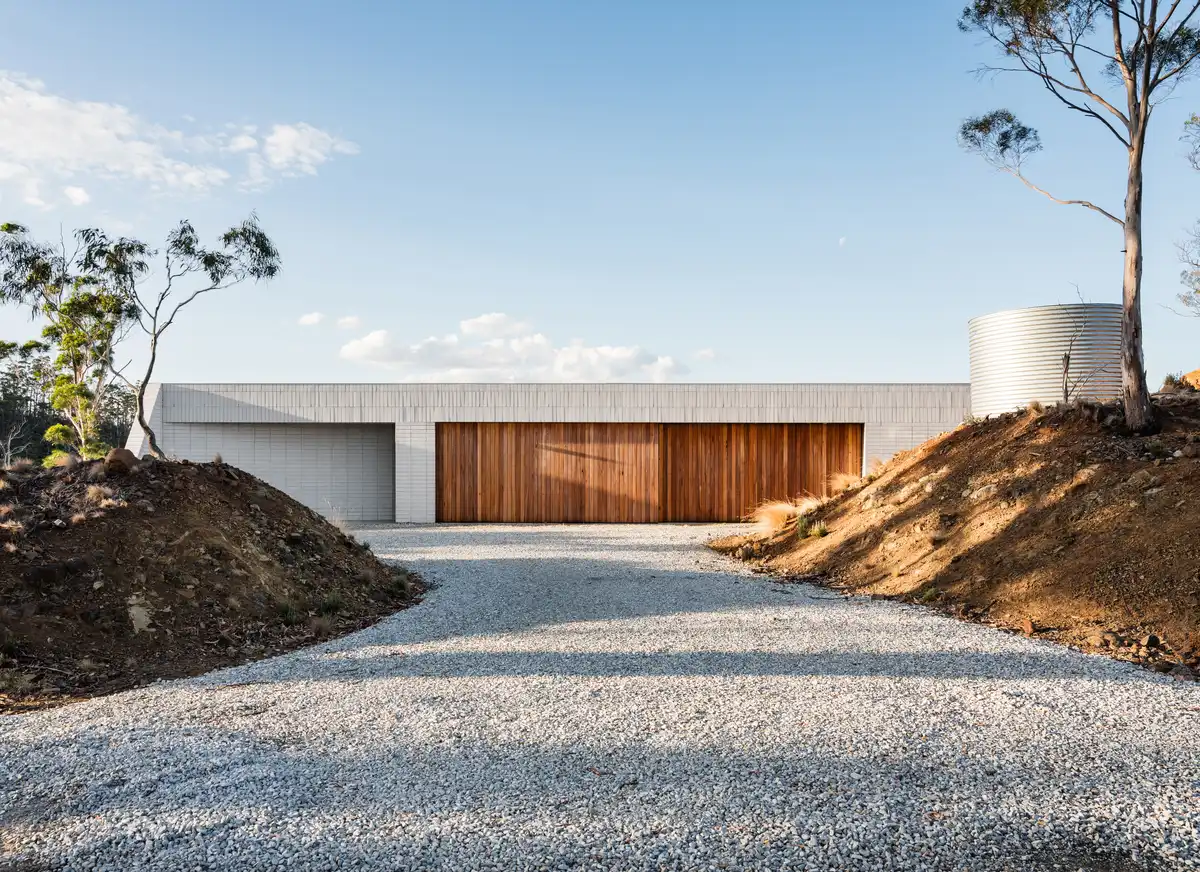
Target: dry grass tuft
x: 217, y: 459
x: 1035, y: 408
x: 98, y: 493
x: 14, y: 682
x: 110, y: 503
x: 22, y: 464
x: 13, y: 528
x: 775, y: 516
x: 6, y: 510
x: 337, y: 516
x: 321, y: 626
x: 840, y: 481
x: 79, y: 518
x: 10, y: 548
x: 95, y: 472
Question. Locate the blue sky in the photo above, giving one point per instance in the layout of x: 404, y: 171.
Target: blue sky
x: 692, y: 191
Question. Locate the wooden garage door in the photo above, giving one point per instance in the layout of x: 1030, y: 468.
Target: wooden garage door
x: 548, y: 473
x: 633, y: 473
x: 718, y: 472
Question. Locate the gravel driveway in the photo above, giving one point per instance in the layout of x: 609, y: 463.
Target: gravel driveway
x: 619, y: 698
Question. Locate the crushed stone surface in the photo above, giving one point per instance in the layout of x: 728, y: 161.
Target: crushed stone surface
x: 618, y: 697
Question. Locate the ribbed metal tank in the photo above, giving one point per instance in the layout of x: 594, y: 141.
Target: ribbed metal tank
x: 1017, y: 355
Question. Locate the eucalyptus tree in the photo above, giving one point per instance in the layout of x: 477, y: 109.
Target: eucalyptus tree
x: 1113, y: 62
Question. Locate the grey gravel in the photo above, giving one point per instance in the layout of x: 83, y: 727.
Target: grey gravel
x: 619, y: 698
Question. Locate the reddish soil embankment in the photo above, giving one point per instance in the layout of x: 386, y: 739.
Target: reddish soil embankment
x: 1050, y: 522
x: 112, y: 577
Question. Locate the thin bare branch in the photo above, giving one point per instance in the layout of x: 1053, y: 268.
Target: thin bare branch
x: 1084, y: 203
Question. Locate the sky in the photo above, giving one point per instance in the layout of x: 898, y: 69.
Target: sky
x: 681, y: 190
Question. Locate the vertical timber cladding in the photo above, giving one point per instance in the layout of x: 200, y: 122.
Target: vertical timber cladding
x: 718, y: 472
x: 633, y: 473
x: 548, y: 473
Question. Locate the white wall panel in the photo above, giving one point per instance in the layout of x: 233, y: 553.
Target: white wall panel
x: 340, y: 470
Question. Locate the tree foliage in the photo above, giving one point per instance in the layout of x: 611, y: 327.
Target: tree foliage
x: 78, y: 293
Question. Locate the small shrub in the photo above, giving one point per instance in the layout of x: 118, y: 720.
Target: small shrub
x: 59, y: 459
x: 818, y: 530
x: 1176, y: 383
x: 289, y: 612
x: 802, y: 527
x: 331, y: 604
x: 1156, y: 448
x: 401, y: 586
x: 929, y: 595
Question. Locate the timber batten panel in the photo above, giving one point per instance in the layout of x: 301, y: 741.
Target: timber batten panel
x: 633, y: 473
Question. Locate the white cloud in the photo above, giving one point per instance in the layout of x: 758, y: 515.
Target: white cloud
x: 478, y: 354
x: 45, y: 137
x: 347, y: 322
x: 705, y: 354
x: 493, y: 325
x: 242, y: 142
x: 300, y: 148
x: 311, y: 319
x: 78, y: 196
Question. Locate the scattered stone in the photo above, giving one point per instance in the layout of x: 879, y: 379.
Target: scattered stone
x: 1150, y: 641
x: 1181, y: 673
x: 1143, y: 479
x: 982, y: 493
x: 120, y: 460
x: 1028, y: 627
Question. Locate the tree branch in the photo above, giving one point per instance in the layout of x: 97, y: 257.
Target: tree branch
x: 1084, y: 203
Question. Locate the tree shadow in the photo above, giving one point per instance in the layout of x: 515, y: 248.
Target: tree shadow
x: 259, y: 792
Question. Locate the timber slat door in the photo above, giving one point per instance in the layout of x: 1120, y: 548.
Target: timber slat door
x: 633, y: 473
x: 719, y: 472
x: 548, y: 473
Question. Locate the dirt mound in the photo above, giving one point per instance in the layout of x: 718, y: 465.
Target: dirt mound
x: 112, y: 578
x: 1049, y: 522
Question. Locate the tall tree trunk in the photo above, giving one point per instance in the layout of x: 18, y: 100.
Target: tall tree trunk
x: 155, y: 451
x: 1139, y: 414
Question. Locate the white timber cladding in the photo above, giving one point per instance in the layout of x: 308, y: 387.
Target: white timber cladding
x: 895, y: 417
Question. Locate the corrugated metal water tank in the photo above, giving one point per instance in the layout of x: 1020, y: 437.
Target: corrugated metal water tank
x: 1017, y: 355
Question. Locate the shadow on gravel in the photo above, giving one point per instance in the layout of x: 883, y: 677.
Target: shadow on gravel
x: 262, y: 796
